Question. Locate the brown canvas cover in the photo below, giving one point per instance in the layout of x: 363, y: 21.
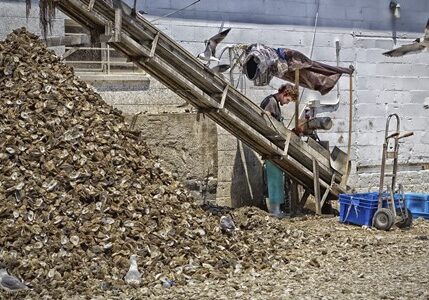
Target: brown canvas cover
x: 262, y: 63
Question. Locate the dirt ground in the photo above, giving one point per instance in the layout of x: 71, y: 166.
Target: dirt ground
x: 326, y: 260
x: 335, y: 261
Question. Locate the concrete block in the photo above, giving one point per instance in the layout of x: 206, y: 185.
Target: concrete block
x: 407, y: 110
x: 227, y: 158
x: 324, y: 54
x: 227, y: 142
x: 367, y: 124
x: 226, y: 173
x: 354, y: 13
x: 224, y: 201
x: 370, y: 154
x: 425, y: 138
x: 10, y: 23
x: 372, y: 14
x: 419, y: 96
x: 17, y: 9
x: 402, y: 97
x: 365, y: 43
x: 223, y: 189
x: 370, y: 137
x: 371, y: 110
x: 329, y: 10
x: 368, y: 96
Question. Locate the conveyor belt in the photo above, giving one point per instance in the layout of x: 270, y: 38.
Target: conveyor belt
x: 179, y: 70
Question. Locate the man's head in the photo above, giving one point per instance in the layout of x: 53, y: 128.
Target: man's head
x: 286, y: 93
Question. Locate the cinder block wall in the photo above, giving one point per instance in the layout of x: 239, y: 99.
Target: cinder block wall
x: 13, y: 16
x: 381, y: 85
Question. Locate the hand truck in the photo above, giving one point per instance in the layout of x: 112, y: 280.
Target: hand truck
x: 391, y: 203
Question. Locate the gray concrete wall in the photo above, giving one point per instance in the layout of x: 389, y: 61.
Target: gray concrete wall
x: 13, y: 15
x: 186, y: 148
x: 348, y: 14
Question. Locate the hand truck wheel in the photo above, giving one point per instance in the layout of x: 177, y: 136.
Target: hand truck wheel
x: 406, y: 222
x: 383, y: 219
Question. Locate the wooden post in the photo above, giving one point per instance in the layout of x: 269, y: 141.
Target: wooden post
x: 294, y: 197
x: 296, y: 100
x: 118, y: 24
x: 346, y: 174
x: 303, y: 200
x: 316, y: 187
x: 91, y: 4
x: 154, y: 44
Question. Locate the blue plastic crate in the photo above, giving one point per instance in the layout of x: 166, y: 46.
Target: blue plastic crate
x: 418, y: 204
x: 420, y: 215
x: 356, y: 214
x: 358, y: 209
x: 366, y: 199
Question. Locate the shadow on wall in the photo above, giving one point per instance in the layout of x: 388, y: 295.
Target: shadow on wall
x: 247, y: 181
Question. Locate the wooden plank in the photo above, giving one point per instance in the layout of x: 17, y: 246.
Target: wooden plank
x: 297, y: 100
x: 316, y: 187
x: 320, y: 150
x: 303, y: 199
x: 222, y: 101
x: 154, y: 44
x: 325, y: 195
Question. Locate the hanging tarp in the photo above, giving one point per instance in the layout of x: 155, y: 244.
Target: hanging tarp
x: 262, y: 63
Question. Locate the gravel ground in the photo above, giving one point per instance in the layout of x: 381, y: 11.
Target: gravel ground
x: 335, y: 261
x: 327, y: 260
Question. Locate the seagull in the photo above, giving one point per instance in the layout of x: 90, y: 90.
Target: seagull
x: 133, y: 276
x: 11, y: 283
x: 220, y: 68
x: 210, y: 51
x: 227, y: 224
x: 418, y: 45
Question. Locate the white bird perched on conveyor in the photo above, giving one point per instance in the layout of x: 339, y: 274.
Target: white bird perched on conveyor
x: 227, y: 224
x: 209, y: 53
x: 11, y: 283
x: 133, y: 276
x: 220, y: 68
x: 419, y: 45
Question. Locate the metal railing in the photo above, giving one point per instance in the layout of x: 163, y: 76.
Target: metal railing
x: 105, y: 63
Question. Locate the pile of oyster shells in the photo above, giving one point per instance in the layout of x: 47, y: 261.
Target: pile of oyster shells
x: 80, y: 192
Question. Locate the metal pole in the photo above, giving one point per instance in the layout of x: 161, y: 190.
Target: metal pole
x: 108, y: 59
